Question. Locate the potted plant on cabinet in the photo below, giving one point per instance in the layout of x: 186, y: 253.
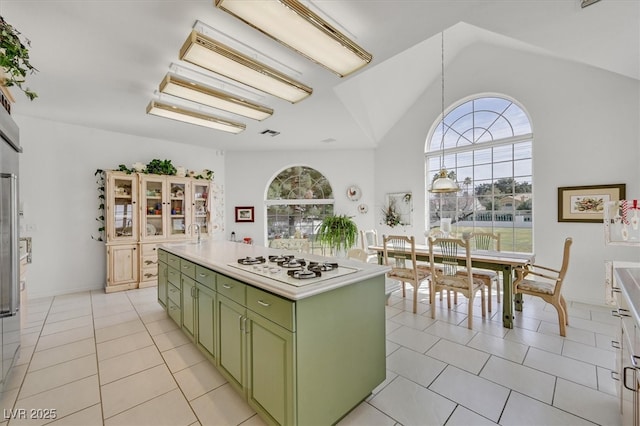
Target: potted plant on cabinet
x: 339, y: 232
x: 14, y: 58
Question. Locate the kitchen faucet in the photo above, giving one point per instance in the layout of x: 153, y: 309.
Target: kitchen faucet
x: 197, y: 231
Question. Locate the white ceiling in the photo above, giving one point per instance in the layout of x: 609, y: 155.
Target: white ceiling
x: 100, y: 61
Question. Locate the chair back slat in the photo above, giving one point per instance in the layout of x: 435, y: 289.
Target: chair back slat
x: 449, y: 249
x: 485, y: 241
x: 399, y: 251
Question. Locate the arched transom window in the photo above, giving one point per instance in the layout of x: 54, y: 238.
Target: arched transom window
x: 487, y: 148
x: 298, y: 198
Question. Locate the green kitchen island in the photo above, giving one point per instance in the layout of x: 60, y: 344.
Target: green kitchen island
x: 300, y: 354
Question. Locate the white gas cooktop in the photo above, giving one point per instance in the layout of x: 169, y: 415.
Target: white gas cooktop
x: 292, y: 270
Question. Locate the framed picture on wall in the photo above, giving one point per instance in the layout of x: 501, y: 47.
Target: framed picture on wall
x: 244, y: 214
x: 586, y: 203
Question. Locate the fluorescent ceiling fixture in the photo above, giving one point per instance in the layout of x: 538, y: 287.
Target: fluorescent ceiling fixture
x: 297, y: 27
x: 192, y: 117
x: 207, y: 53
x: 192, y: 91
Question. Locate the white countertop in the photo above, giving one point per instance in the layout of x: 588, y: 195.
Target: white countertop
x: 216, y: 255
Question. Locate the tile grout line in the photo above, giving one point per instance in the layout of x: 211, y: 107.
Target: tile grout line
x: 15, y: 402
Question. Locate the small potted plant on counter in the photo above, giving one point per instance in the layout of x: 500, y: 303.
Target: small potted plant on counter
x: 339, y: 232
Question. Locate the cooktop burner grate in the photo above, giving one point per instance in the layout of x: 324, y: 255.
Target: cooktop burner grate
x: 251, y: 260
x: 322, y: 266
x: 304, y: 274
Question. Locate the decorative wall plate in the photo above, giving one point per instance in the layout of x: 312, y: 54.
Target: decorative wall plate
x: 354, y: 193
x: 363, y: 208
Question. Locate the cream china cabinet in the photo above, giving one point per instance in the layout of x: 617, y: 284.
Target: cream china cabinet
x: 143, y: 211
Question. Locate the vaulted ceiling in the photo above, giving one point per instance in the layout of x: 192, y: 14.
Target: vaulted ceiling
x: 100, y: 62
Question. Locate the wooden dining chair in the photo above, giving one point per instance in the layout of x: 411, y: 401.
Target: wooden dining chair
x: 357, y: 254
x: 399, y: 252
x: 369, y: 238
x: 486, y: 241
x: 453, y: 273
x: 547, y: 284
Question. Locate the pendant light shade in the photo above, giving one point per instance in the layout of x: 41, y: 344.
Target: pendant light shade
x: 443, y: 184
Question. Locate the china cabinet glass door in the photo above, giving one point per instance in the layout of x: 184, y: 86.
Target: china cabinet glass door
x: 200, y: 205
x: 178, y: 207
x: 153, y: 207
x: 122, y: 214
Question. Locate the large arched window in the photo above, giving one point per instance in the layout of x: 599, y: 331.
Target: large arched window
x: 487, y: 147
x: 298, y: 198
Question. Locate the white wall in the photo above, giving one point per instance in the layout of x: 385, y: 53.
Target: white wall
x: 248, y: 175
x: 586, y: 132
x: 59, y: 194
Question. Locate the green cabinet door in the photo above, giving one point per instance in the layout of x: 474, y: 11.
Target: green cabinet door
x: 162, y: 284
x: 188, y: 305
x: 270, y: 370
x: 206, y: 301
x: 231, y: 340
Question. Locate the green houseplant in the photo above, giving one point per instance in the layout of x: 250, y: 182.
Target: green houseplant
x: 14, y: 58
x: 338, y: 232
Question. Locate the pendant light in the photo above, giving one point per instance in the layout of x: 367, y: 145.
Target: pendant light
x: 443, y: 184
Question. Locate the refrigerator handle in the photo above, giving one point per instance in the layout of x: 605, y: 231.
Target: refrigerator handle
x: 14, y: 291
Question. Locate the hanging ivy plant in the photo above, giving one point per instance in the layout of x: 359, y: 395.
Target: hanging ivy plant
x: 14, y: 58
x: 100, y: 181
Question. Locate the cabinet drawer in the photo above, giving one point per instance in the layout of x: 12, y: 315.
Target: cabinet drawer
x: 206, y: 277
x: 173, y: 276
x: 174, y: 312
x: 149, y: 274
x: 173, y: 261
x: 150, y: 249
x: 150, y: 261
x: 162, y: 256
x: 188, y: 268
x: 173, y: 293
x: 234, y: 290
x: 272, y: 307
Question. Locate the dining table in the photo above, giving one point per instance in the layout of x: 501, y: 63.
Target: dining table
x: 499, y: 261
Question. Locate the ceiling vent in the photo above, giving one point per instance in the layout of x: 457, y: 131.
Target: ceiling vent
x: 269, y: 132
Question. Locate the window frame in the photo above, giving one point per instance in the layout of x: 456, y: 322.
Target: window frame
x: 437, y: 157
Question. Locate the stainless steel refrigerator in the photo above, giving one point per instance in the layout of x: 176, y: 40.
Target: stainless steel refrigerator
x: 9, y: 249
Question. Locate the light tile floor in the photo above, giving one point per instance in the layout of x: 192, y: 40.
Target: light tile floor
x: 117, y: 359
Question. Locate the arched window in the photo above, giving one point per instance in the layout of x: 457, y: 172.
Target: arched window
x: 298, y: 198
x: 487, y: 147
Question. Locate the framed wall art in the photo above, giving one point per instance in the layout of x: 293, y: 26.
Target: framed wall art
x: 398, y: 209
x: 587, y: 203
x: 244, y: 214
